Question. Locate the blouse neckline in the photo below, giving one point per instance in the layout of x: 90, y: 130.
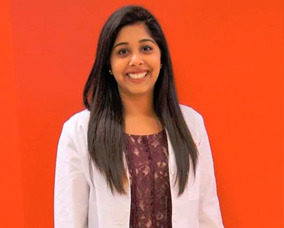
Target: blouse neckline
x: 154, y: 134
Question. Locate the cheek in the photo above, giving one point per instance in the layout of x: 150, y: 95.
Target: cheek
x: 117, y: 66
x: 156, y: 64
x: 156, y: 61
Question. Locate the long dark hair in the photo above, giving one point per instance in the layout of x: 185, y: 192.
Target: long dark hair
x: 106, y: 140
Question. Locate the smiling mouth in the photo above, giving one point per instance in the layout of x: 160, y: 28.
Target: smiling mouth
x: 138, y: 75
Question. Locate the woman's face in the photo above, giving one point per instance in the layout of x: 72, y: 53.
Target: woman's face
x: 135, y: 61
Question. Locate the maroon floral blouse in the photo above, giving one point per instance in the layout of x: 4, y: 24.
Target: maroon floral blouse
x: 147, y: 159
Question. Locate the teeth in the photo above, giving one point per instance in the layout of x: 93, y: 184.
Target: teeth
x: 137, y: 76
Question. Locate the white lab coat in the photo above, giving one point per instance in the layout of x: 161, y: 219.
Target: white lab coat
x: 80, y: 204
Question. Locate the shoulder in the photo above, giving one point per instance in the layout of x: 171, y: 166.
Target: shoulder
x: 190, y: 112
x: 191, y: 115
x: 77, y: 122
x: 194, y: 121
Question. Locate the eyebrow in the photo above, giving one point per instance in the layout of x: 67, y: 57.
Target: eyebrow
x: 126, y: 43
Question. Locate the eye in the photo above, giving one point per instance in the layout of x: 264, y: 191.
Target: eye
x: 147, y: 48
x: 122, y: 51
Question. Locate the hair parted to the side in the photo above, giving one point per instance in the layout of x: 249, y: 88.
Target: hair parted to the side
x: 106, y: 140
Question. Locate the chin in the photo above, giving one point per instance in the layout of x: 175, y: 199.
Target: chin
x: 140, y: 92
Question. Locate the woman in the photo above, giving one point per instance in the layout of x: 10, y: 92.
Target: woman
x: 134, y: 157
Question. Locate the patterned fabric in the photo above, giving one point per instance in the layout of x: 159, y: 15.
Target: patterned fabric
x: 147, y: 159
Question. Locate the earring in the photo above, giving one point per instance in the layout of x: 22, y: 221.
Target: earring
x: 110, y: 72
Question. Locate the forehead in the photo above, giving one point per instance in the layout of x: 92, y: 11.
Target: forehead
x: 133, y: 32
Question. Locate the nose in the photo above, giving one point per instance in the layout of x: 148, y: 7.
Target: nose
x: 136, y: 59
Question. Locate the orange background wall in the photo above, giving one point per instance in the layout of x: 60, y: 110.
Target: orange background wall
x: 228, y: 62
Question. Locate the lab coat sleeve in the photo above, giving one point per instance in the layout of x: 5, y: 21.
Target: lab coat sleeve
x: 71, y: 189
x: 209, y: 209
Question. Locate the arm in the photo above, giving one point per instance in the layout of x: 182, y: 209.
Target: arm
x: 209, y: 210
x: 71, y: 188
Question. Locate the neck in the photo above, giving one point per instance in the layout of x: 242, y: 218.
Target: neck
x: 139, y: 115
x: 141, y: 105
